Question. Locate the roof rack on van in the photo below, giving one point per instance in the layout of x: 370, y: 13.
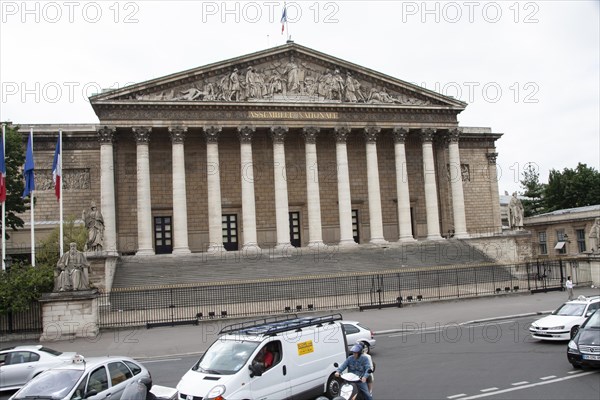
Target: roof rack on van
x: 273, y: 325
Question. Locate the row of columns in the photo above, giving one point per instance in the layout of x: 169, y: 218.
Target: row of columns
x: 278, y: 134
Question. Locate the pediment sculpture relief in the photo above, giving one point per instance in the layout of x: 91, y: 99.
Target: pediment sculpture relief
x: 288, y: 81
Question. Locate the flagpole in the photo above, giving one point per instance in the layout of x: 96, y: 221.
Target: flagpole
x: 60, y: 200
x: 4, y: 204
x: 32, y: 199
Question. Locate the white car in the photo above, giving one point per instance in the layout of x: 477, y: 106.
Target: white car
x: 357, y: 333
x: 21, y: 363
x: 564, y: 322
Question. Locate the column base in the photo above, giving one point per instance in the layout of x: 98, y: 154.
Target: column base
x: 461, y: 235
x: 282, y: 246
x: 181, y: 251
x: 347, y: 243
x: 144, y: 252
x: 316, y: 243
x: 434, y: 237
x: 378, y: 241
x: 250, y: 247
x: 407, y: 239
x: 215, y: 248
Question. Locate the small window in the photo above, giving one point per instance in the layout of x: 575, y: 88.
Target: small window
x: 119, y: 373
x: 561, y: 242
x: 98, y: 380
x: 580, y: 233
x: 350, y: 329
x: 136, y: 369
x: 543, y: 242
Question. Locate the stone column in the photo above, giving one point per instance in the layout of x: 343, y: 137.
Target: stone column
x: 405, y: 233
x: 107, y: 189
x: 248, y: 202
x: 313, y: 197
x: 374, y: 191
x: 180, y: 227
x: 492, y: 177
x: 144, y: 203
x: 213, y: 181
x: 431, y: 200
x: 282, y: 216
x: 343, y: 178
x: 456, y: 185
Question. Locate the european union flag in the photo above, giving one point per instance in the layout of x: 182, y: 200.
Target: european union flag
x: 29, y: 167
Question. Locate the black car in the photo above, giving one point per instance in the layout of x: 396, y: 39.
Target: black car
x: 584, y: 349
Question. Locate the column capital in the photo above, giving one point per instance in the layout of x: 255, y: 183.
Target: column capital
x: 178, y: 134
x: 491, y: 158
x: 212, y: 133
x: 454, y: 134
x: 310, y: 134
x: 427, y: 134
x: 278, y: 133
x: 245, y: 133
x: 371, y: 133
x: 400, y: 134
x: 141, y: 134
x: 341, y: 133
x: 106, y: 135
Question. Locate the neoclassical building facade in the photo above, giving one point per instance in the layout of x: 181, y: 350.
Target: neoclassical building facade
x: 283, y: 147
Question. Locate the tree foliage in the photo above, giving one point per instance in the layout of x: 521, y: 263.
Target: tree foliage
x: 534, y: 191
x: 14, y: 158
x: 572, y: 188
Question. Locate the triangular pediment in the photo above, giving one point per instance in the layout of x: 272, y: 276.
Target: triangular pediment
x: 288, y: 74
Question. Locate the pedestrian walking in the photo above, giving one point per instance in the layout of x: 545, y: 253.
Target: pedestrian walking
x: 569, y: 287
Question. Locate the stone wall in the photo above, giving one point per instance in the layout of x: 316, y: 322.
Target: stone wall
x: 69, y: 315
x: 514, y: 247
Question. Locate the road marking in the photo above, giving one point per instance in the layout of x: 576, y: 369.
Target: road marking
x: 548, y: 377
x: 477, y: 396
x: 488, y: 389
x: 161, y: 360
x: 456, y: 396
x: 574, y: 372
x: 520, y: 383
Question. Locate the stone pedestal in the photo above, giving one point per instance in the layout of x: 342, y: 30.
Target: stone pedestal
x: 69, y: 315
x: 595, y: 269
x: 102, y: 270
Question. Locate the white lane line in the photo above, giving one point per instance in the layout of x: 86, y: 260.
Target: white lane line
x: 161, y: 360
x: 456, y: 396
x: 548, y: 377
x: 520, y: 383
x: 477, y: 396
x: 575, y: 372
x: 488, y: 389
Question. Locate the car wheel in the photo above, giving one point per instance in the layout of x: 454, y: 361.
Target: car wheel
x: 574, y: 331
x: 576, y: 365
x: 333, y: 387
x: 366, y: 346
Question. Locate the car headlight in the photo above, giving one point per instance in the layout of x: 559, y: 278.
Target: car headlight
x: 557, y: 328
x: 573, y: 348
x: 216, y: 393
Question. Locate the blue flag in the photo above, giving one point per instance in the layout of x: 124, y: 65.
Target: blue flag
x: 28, y: 168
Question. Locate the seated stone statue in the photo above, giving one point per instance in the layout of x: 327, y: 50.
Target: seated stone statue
x: 72, y: 271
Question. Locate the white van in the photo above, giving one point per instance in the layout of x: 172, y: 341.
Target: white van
x: 301, y: 364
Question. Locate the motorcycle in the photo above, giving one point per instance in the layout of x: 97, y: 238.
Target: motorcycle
x: 349, y: 387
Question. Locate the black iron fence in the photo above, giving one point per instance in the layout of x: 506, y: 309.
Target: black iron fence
x: 190, y: 304
x: 28, y: 321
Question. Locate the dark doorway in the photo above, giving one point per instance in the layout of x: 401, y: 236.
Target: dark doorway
x: 295, y: 238
x: 163, y: 228
x: 355, y: 230
x: 230, y: 232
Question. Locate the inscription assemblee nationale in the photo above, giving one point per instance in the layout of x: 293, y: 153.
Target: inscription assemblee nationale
x: 292, y: 115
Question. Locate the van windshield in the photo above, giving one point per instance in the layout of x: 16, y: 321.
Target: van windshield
x: 225, y: 357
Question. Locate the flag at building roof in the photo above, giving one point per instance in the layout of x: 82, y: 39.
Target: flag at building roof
x: 29, y: 167
x: 2, y: 172
x: 283, y: 18
x: 57, y: 169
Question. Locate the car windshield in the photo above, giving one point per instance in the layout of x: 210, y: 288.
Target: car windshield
x: 52, y: 384
x: 225, y: 357
x: 593, y: 321
x: 570, y: 309
x: 51, y: 351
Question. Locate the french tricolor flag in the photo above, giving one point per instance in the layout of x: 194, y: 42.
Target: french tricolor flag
x: 2, y: 172
x: 283, y: 18
x: 57, y: 169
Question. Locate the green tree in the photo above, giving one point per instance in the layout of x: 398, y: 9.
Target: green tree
x: 14, y: 158
x: 572, y: 188
x: 533, y: 190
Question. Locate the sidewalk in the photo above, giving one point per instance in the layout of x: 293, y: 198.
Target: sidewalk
x: 142, y: 343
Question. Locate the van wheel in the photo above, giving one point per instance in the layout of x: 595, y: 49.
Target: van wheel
x: 333, y: 387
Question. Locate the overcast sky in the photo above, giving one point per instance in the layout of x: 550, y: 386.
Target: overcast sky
x: 527, y: 69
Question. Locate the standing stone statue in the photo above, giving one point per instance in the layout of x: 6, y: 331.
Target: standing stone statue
x: 94, y: 222
x: 595, y: 236
x: 71, y: 271
x: 515, y: 213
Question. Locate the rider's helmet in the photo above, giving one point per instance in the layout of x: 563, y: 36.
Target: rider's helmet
x: 357, y: 348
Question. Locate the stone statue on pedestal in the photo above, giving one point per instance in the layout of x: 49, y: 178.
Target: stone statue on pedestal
x: 72, y: 271
x: 595, y: 236
x: 515, y: 213
x: 94, y: 222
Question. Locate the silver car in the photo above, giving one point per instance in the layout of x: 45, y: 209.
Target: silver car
x: 358, y: 333
x: 21, y: 363
x: 92, y: 378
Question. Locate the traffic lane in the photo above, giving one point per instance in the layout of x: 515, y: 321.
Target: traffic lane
x: 169, y: 370
x: 461, y: 360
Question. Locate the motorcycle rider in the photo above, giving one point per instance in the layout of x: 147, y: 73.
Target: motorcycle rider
x: 359, y: 365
